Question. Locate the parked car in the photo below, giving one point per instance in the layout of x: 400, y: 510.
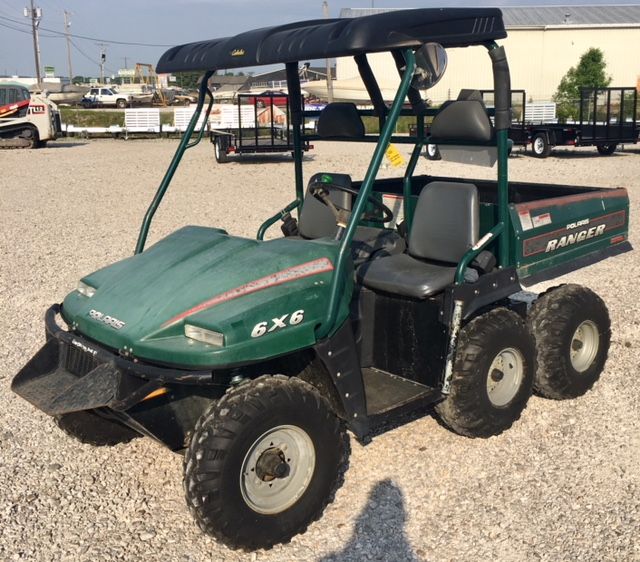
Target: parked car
x: 106, y: 97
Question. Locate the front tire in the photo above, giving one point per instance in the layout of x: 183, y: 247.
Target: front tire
x: 264, y: 462
x: 492, y: 375
x: 571, y: 326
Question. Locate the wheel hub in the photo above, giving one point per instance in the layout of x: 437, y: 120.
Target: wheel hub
x: 506, y: 374
x: 271, y: 465
x: 277, y: 469
x: 584, y: 346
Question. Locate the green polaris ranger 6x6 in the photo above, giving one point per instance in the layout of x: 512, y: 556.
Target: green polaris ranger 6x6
x: 254, y: 357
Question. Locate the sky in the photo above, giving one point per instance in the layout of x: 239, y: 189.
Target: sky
x: 164, y: 23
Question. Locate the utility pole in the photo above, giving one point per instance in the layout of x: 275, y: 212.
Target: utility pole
x: 67, y: 25
x: 103, y: 58
x: 36, y: 15
x: 325, y: 13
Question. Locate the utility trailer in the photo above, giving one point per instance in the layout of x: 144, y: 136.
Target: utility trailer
x: 607, y: 117
x: 262, y: 127
x: 253, y: 357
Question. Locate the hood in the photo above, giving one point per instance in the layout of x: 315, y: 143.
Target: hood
x: 204, y: 277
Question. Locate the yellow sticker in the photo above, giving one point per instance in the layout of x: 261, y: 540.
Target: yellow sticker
x: 394, y: 156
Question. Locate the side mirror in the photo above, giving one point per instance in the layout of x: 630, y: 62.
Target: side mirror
x: 431, y: 62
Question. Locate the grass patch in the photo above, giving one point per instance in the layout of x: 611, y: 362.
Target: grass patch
x: 98, y: 118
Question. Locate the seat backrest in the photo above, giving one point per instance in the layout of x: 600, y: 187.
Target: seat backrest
x: 340, y: 120
x: 446, y: 221
x: 316, y: 219
x: 462, y: 120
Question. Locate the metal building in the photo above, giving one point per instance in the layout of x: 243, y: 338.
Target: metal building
x: 543, y: 43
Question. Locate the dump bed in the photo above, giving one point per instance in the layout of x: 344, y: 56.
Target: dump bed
x: 554, y: 228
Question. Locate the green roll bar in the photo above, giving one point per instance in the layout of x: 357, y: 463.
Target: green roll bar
x: 335, y: 291
x: 182, y: 147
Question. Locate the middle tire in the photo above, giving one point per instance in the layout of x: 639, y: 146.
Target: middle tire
x: 492, y: 375
x: 264, y: 462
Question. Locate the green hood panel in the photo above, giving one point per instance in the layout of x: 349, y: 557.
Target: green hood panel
x: 206, y: 278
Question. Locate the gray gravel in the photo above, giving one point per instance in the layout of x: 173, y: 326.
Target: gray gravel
x: 562, y: 484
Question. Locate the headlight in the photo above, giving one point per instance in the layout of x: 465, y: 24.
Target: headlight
x: 203, y: 335
x: 86, y: 290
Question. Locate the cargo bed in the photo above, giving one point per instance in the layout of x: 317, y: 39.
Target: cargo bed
x: 554, y: 228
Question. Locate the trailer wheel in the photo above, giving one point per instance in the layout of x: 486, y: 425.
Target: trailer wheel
x: 540, y: 145
x: 264, y: 462
x: 91, y: 429
x: 433, y: 153
x: 492, y: 375
x: 220, y: 150
x: 571, y: 326
x: 606, y: 149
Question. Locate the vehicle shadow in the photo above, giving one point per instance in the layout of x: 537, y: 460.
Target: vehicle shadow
x: 66, y: 144
x: 267, y: 159
x: 571, y: 154
x: 379, y: 532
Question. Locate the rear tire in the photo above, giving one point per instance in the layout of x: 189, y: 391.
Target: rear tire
x: 121, y: 103
x: 571, y: 326
x: 264, y: 462
x: 220, y: 150
x: 91, y: 429
x: 540, y: 146
x: 433, y: 153
x: 492, y: 375
x: 606, y: 149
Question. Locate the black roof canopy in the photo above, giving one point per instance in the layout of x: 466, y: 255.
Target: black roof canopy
x: 329, y: 38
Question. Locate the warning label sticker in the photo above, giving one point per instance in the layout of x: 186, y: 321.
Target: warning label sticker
x: 525, y: 220
x: 541, y: 220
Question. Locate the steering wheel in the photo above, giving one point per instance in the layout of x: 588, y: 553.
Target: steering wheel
x: 320, y: 190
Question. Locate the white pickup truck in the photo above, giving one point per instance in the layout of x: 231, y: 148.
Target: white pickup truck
x: 106, y: 97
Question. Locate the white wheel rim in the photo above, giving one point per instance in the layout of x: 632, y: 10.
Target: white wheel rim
x: 216, y: 148
x: 431, y: 149
x: 505, y: 376
x: 538, y: 145
x: 584, y: 346
x: 269, y: 494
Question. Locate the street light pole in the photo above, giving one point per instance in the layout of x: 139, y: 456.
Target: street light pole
x: 67, y: 25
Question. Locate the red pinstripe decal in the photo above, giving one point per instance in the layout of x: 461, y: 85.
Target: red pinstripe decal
x: 294, y: 273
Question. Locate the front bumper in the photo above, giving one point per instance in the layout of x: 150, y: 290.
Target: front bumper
x: 70, y: 373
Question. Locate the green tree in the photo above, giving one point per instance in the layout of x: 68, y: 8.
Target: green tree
x: 590, y: 73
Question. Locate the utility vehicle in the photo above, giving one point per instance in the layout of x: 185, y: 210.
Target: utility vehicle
x: 254, y: 357
x: 26, y: 120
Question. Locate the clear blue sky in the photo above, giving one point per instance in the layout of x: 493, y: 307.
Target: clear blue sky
x: 168, y: 22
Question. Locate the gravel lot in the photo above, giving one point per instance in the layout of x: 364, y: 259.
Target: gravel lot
x: 562, y: 484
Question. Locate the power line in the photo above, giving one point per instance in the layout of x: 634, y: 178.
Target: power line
x: 88, y: 38
x: 28, y: 32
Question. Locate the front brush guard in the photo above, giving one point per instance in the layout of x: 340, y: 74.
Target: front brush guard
x: 70, y: 373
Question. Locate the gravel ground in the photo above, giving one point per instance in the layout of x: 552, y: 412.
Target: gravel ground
x: 562, y: 484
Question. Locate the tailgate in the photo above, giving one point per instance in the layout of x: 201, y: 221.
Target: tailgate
x: 565, y: 233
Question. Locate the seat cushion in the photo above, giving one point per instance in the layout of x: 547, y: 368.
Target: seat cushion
x: 401, y: 274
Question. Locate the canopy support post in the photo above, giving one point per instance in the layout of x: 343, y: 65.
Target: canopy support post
x: 295, y: 105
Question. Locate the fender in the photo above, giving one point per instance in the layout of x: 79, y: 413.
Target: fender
x: 340, y: 357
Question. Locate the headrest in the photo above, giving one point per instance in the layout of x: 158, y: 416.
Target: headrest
x: 463, y: 120
x: 340, y: 120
